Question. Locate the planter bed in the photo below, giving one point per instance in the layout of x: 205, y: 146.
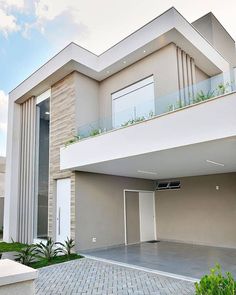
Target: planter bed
x: 55, y: 260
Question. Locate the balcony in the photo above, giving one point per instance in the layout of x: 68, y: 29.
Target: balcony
x: 190, y: 129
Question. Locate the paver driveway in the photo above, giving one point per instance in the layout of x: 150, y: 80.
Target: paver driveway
x: 87, y: 276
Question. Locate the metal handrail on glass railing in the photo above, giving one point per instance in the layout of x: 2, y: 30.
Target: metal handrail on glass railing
x: 192, y: 94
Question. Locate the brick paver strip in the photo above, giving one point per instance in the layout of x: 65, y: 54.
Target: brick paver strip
x: 87, y: 276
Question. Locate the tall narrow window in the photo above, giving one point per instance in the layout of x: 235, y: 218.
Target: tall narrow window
x: 133, y: 102
x: 42, y: 168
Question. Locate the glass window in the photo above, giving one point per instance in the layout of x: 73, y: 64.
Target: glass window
x: 42, y: 168
x: 133, y: 102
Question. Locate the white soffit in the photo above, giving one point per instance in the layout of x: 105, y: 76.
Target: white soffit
x: 183, y: 161
x: 169, y: 27
x: 45, y: 95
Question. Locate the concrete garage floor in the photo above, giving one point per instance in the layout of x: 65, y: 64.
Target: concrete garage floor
x: 182, y: 259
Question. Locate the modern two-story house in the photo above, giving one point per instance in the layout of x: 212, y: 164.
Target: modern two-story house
x: 133, y: 145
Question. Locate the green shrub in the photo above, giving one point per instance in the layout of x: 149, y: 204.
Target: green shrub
x: 216, y: 284
x: 26, y: 255
x: 67, y: 246
x: 151, y: 114
x: 72, y: 140
x: 95, y: 132
x: 44, y: 254
x: 48, y: 250
x: 133, y: 121
x: 201, y: 96
x: 223, y: 88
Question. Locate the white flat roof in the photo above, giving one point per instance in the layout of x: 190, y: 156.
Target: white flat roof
x: 169, y: 27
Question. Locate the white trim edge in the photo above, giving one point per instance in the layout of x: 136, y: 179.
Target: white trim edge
x: 149, y: 270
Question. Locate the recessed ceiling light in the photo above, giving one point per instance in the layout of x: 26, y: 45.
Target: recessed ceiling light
x: 214, y: 163
x: 47, y: 113
x: 108, y: 72
x: 124, y: 62
x: 144, y: 51
x: 147, y: 172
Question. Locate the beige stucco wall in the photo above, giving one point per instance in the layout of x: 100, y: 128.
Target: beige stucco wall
x: 132, y: 217
x: 198, y: 213
x: 223, y: 42
x: 162, y: 64
x: 204, y: 26
x: 100, y: 208
x: 200, y: 75
x: 87, y: 108
x: 2, y: 164
x: 215, y: 33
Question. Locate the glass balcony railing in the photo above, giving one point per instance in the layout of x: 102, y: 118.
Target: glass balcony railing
x: 196, y: 93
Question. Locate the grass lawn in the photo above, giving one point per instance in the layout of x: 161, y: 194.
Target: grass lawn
x: 56, y: 260
x: 10, y: 247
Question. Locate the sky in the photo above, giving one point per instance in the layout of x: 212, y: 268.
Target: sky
x: 31, y: 32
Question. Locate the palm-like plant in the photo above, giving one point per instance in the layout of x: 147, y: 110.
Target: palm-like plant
x: 222, y: 88
x: 201, y: 96
x: 67, y: 246
x: 26, y: 255
x: 48, y: 250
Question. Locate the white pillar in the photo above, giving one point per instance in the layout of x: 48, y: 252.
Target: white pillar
x: 12, y: 173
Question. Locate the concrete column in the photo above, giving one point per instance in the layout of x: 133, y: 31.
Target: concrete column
x: 12, y: 172
x: 27, y: 171
x: 18, y: 216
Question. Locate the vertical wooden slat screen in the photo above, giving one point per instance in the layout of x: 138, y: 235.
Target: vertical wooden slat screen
x: 27, y: 171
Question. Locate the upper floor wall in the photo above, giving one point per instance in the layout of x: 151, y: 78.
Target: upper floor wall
x: 162, y: 65
x: 171, y: 68
x: 215, y: 33
x: 200, y: 75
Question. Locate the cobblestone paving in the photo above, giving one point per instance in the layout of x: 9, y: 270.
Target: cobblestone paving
x: 87, y: 276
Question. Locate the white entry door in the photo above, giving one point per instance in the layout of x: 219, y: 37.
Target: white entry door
x: 63, y: 209
x: 147, y: 216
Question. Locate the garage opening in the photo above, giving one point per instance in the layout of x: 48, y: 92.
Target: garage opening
x: 139, y: 216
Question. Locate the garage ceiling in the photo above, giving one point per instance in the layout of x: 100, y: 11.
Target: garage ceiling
x: 192, y: 160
